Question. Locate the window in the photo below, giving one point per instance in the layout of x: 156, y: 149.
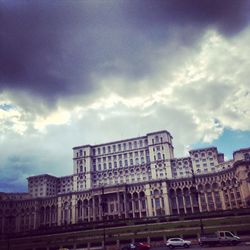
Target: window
x: 119, y: 147
x: 109, y: 149
x: 114, y: 148
x: 131, y: 162
x: 104, y: 165
x: 99, y: 151
x: 136, y: 161
x: 103, y: 150
x: 115, y: 164
x: 130, y: 145
x: 142, y: 160
x: 126, y: 163
x: 110, y: 165
x: 141, y: 143
x: 124, y: 146
x: 247, y: 156
x: 157, y: 139
x: 120, y: 164
x: 135, y: 144
x: 159, y: 156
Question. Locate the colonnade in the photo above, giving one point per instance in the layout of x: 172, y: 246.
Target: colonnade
x: 228, y: 190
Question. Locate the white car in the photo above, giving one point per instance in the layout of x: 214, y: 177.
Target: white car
x: 178, y: 242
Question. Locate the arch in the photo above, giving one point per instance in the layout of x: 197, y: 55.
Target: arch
x: 200, y: 187
x: 156, y: 192
x: 207, y: 187
x: 215, y: 186
x: 135, y: 195
x: 142, y: 194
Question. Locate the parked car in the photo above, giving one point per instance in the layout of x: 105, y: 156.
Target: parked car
x: 142, y: 246
x: 129, y: 247
x: 219, y: 238
x: 178, y: 242
x: 137, y: 246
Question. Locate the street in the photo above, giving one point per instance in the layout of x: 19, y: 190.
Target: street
x: 242, y: 246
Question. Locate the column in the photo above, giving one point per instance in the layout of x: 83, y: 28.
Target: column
x: 199, y: 203
x: 184, y: 202
x: 206, y: 199
x: 89, y: 211
x: 73, y: 208
x: 213, y: 198
x: 148, y: 199
x: 118, y: 205
x: 222, y: 198
x: 165, y: 198
x: 50, y: 216
x: 235, y: 197
x: 191, y: 200
x: 133, y: 207
x: 125, y: 204
x: 59, y: 211
x: 229, y: 198
x: 177, y: 202
x: 93, y: 208
x: 140, y: 207
x: 100, y: 207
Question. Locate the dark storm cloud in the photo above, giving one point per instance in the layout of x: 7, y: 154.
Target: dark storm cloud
x: 54, y: 48
x: 228, y: 16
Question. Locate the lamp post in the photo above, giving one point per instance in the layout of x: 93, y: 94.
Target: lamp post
x: 196, y: 193
x: 103, y: 204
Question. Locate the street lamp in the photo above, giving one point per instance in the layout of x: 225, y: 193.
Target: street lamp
x: 196, y: 193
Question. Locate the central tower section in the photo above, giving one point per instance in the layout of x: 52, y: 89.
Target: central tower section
x: 132, y: 160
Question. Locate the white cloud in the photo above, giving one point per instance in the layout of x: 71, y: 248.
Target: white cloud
x: 206, y: 92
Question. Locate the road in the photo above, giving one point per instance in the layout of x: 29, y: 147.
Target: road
x: 242, y: 246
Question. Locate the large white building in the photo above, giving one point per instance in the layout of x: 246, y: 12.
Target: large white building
x: 138, y: 177
x: 140, y: 159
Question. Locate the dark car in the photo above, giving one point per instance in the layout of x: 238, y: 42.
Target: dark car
x: 137, y: 246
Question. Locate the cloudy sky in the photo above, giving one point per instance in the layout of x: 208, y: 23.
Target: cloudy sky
x: 88, y: 72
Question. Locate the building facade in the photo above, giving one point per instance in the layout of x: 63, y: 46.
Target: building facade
x: 136, y: 178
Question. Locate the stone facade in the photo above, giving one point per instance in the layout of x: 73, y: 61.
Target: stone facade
x: 133, y: 178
